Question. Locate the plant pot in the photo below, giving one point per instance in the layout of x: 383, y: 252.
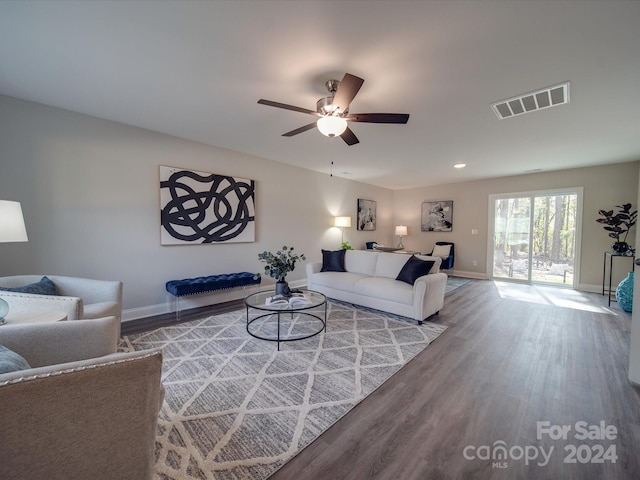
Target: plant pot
x: 624, y: 293
x: 282, y: 288
x: 620, y: 247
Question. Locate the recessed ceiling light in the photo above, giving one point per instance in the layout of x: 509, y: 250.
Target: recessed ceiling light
x: 459, y: 165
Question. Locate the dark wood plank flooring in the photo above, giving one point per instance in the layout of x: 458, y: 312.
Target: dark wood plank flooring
x: 503, y: 365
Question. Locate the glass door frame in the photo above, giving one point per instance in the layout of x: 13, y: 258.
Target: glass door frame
x: 493, y: 198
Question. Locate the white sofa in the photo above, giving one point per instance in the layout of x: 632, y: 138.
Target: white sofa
x: 370, y: 281
x: 78, y: 298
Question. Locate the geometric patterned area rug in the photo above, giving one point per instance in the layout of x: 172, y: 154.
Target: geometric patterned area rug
x: 237, y: 408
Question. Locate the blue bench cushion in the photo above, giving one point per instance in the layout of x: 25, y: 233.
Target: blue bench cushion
x: 191, y: 286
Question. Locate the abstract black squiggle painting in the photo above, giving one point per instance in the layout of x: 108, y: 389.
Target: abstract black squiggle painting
x: 199, y: 207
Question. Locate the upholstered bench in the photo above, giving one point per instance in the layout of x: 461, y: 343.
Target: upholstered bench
x: 198, y: 285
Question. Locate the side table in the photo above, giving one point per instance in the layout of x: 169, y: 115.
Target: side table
x: 611, y: 256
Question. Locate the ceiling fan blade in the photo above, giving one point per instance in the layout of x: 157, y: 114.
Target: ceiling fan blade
x: 299, y: 130
x: 378, y: 117
x: 347, y: 90
x: 349, y: 137
x: 288, y: 107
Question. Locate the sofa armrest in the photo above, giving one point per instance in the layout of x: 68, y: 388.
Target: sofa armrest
x: 428, y: 294
x: 312, y: 267
x: 61, y: 342
x: 28, y: 302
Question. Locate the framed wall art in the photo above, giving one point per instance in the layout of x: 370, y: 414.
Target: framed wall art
x: 366, y: 214
x: 437, y: 216
x: 199, y: 207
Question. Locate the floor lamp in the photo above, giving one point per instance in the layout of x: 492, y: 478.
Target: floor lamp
x: 343, y: 222
x: 12, y: 229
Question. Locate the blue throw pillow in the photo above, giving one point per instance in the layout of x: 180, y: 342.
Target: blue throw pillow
x: 10, y: 361
x: 43, y: 287
x: 413, y: 269
x: 333, y: 261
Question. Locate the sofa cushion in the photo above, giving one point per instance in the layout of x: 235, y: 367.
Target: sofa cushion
x: 337, y: 280
x: 360, y: 261
x: 43, y: 287
x: 436, y: 265
x: 385, y: 289
x: 333, y: 261
x: 10, y: 361
x: 390, y: 264
x: 413, y: 269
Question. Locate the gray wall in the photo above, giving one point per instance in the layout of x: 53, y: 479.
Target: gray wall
x: 90, y: 195
x: 89, y: 190
x: 604, y: 187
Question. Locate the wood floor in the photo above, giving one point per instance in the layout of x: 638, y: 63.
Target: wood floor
x: 510, y: 358
x: 502, y: 366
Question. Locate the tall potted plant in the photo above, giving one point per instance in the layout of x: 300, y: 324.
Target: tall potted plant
x: 279, y: 264
x: 618, y: 225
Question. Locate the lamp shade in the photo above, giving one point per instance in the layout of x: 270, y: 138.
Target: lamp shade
x: 343, y: 222
x: 12, y: 227
x: 331, y: 126
x: 401, y: 230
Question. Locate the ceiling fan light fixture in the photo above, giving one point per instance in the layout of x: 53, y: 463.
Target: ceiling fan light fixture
x: 331, y: 126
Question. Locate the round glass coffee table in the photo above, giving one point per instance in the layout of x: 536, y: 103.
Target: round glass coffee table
x: 286, y: 322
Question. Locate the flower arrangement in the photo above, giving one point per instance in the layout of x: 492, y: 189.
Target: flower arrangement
x: 619, y: 223
x: 282, y: 262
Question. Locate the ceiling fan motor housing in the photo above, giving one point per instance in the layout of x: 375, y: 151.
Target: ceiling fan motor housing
x: 325, y: 107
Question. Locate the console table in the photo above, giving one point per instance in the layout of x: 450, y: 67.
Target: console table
x: 611, y: 256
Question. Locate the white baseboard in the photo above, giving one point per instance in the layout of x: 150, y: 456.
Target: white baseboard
x: 195, y: 301
x: 584, y: 287
x: 461, y: 273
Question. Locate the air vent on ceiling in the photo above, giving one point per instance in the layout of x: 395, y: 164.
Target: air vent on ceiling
x: 532, y: 101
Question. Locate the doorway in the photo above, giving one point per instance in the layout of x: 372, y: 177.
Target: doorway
x: 535, y: 236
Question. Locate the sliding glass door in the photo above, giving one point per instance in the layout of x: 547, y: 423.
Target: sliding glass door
x: 535, y: 236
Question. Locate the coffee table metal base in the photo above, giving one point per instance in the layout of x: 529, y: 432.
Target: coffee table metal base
x: 278, y: 337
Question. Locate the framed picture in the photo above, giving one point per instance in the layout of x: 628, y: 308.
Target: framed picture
x: 437, y: 216
x: 204, y: 208
x: 366, y: 214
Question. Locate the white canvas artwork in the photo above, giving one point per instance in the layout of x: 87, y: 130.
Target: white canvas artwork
x: 200, y: 208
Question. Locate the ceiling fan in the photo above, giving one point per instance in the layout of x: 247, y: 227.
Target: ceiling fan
x: 334, y: 111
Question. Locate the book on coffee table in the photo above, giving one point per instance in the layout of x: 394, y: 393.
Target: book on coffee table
x: 296, y: 299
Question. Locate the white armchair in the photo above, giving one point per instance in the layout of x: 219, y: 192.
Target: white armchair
x: 81, y: 411
x: 78, y: 298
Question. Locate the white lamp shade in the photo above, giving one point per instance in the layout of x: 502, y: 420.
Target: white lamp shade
x: 401, y: 231
x: 12, y: 227
x: 331, y: 126
x: 343, y: 222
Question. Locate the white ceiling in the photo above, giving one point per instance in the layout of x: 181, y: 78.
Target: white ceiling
x: 195, y: 69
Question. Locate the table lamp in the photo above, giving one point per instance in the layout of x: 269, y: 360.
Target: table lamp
x: 343, y: 222
x: 401, y: 231
x: 12, y: 229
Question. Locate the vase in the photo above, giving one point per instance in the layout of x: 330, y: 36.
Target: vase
x: 620, y: 247
x: 624, y: 293
x: 282, y: 288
